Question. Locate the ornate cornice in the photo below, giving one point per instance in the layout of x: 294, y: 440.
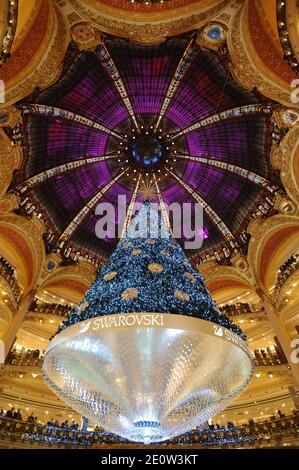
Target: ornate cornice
x: 10, y: 159
x: 8, y: 27
x: 47, y: 64
x: 145, y: 31
x: 244, y: 70
x: 150, y: 10
x: 286, y: 159
x: 268, y: 236
x: 25, y: 237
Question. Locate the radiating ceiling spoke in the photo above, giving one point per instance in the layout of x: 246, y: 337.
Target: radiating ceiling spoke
x: 237, y: 170
x: 85, y: 211
x: 111, y: 68
x: 59, y: 170
x: 130, y: 210
x: 186, y: 60
x: 217, y: 221
x: 53, y: 112
x: 223, y: 116
x: 165, y: 215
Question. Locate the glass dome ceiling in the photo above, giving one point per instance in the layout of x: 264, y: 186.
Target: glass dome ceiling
x: 164, y: 121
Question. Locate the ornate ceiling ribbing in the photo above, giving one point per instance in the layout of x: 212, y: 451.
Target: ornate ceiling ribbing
x: 84, y: 134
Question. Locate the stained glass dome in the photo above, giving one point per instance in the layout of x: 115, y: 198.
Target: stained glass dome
x: 127, y: 119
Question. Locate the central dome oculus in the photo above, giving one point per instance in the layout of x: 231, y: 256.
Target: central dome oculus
x: 147, y: 151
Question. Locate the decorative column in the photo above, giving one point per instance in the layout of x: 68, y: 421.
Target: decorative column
x: 280, y: 331
x: 9, y: 335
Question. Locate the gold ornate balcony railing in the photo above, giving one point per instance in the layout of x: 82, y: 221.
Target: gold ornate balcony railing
x: 267, y: 357
x: 8, y: 273
x: 249, y: 434
x: 284, y: 272
x: 232, y: 310
x: 50, y: 309
x: 28, y: 358
x: 289, y: 54
x: 10, y: 30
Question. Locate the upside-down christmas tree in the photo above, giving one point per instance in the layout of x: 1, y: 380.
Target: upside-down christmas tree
x: 146, y: 354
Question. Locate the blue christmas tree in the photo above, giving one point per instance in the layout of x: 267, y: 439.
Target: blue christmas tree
x: 148, y: 272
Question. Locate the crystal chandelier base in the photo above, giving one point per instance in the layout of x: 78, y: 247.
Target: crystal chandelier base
x: 147, y: 376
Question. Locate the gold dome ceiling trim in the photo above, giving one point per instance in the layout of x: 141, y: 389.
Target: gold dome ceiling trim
x: 151, y: 12
x: 43, y: 63
x: 263, y: 48
x: 28, y: 11
x: 286, y: 159
x: 247, y: 70
x: 10, y: 160
x: 219, y: 277
x: 21, y: 243
x: 79, y: 277
x: 269, y: 244
x: 144, y: 30
x: 8, y: 26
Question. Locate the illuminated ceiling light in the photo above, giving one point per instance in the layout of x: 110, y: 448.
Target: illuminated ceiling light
x: 294, y: 284
x: 159, y: 374
x: 34, y: 375
x: 258, y: 375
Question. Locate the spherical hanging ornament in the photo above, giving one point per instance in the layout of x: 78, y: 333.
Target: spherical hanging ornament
x: 114, y: 362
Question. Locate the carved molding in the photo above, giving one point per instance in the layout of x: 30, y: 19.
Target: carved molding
x: 48, y: 66
x: 261, y: 231
x: 244, y: 70
x: 286, y: 159
x: 83, y: 272
x: 147, y: 32
x: 26, y: 236
x: 212, y: 271
x: 10, y: 159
